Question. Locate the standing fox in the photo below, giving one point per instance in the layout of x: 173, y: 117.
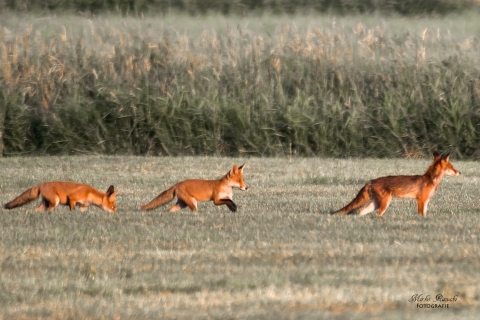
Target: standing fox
x: 66, y: 193
x: 379, y: 192
x: 189, y: 192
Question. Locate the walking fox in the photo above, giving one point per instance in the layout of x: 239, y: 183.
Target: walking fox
x: 379, y: 192
x: 189, y: 192
x: 66, y: 193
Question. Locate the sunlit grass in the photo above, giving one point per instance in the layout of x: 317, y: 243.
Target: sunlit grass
x: 281, y: 251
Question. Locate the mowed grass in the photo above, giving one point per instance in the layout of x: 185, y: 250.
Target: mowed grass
x: 280, y: 255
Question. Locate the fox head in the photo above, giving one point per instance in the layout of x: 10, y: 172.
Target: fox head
x: 108, y: 201
x: 443, y: 162
x: 235, y: 177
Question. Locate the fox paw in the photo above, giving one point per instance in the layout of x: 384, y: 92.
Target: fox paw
x: 232, y: 206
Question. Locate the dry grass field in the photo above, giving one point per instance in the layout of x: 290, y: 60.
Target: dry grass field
x: 281, y: 255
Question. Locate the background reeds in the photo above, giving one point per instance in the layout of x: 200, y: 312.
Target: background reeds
x: 177, y: 85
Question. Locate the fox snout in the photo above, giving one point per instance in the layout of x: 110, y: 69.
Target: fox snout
x: 245, y: 188
x: 452, y: 172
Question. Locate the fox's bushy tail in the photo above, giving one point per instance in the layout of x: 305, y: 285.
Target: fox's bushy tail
x: 29, y: 195
x: 164, y: 197
x: 362, y: 198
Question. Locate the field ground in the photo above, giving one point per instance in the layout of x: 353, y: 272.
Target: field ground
x: 280, y: 256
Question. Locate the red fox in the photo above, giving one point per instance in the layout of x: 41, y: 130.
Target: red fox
x: 379, y: 192
x: 66, y: 193
x: 189, y: 192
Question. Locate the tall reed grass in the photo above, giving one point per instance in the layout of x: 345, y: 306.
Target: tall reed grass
x: 330, y: 87
x: 241, y: 7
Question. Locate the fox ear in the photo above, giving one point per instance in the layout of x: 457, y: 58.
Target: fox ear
x: 446, y: 156
x: 233, y: 170
x: 241, y: 167
x: 111, y: 197
x: 110, y: 191
x: 436, y: 155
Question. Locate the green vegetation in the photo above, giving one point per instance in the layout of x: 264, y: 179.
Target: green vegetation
x: 357, y: 86
x: 242, y: 7
x: 281, y: 255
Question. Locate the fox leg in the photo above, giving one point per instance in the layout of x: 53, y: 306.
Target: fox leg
x: 383, y: 205
x: 71, y: 203
x: 422, y: 207
x: 228, y: 202
x: 373, y: 205
x: 48, y: 205
x: 191, y: 203
x: 178, y: 206
x: 422, y: 201
x: 50, y: 199
x: 43, y: 205
x: 183, y: 203
x: 53, y: 204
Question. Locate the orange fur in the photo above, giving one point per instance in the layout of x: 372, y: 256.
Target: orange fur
x: 66, y: 193
x: 379, y: 192
x: 189, y: 192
